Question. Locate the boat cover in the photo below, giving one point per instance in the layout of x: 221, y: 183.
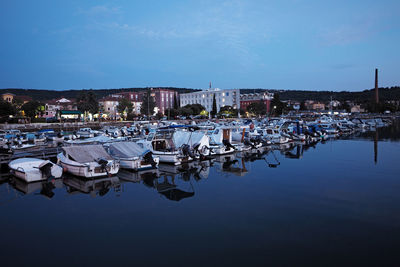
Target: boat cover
x: 87, y: 153
x: 126, y: 150
x: 191, y: 138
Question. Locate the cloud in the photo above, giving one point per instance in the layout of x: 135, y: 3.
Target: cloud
x: 232, y: 26
x: 99, y: 10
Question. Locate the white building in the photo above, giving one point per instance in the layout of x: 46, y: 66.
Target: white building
x: 228, y: 97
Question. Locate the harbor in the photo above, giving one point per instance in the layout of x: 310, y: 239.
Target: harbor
x: 199, y: 133
x: 292, y: 194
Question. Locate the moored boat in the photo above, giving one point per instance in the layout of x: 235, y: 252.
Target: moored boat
x: 33, y: 169
x: 88, y: 161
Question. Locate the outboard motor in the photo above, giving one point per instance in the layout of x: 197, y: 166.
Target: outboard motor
x: 148, y: 158
x: 187, y: 151
x: 227, y: 144
x: 103, y: 164
x: 46, y: 170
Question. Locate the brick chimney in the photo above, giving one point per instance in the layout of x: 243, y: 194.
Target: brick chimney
x: 376, y: 87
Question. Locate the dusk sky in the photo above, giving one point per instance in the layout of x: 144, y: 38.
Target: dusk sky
x: 282, y: 44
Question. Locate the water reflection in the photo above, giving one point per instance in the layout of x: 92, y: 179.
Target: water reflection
x: 93, y: 187
x: 43, y: 188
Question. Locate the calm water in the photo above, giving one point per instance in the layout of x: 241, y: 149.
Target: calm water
x: 335, y: 203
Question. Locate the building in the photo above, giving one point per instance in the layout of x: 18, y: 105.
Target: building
x: 8, y: 97
x: 227, y: 97
x: 69, y: 115
x: 247, y: 99
x: 334, y: 103
x: 109, y: 104
x: 318, y: 106
x: 135, y: 98
x: 164, y: 98
x: 356, y: 109
x: 55, y: 105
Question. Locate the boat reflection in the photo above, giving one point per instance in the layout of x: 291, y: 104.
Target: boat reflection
x: 93, y: 187
x: 44, y: 188
x: 170, y: 181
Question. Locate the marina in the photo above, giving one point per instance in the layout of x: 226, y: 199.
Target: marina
x: 199, y: 133
x: 293, y: 194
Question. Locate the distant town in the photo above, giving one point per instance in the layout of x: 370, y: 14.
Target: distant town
x: 17, y: 106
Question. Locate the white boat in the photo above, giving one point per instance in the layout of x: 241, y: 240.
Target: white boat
x: 87, y: 141
x: 33, y: 169
x: 112, y: 131
x: 221, y: 141
x: 88, y: 161
x: 162, y: 145
x: 132, y: 156
x: 85, y: 133
x: 273, y: 135
x: 20, y: 147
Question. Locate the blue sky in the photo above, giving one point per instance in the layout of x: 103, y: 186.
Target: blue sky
x: 282, y: 44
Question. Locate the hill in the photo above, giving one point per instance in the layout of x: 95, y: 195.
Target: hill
x: 389, y: 93
x: 43, y: 95
x: 385, y: 93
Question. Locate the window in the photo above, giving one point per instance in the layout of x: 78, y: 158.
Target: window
x: 227, y: 94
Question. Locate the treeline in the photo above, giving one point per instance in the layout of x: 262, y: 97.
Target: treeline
x: 43, y: 95
x: 385, y: 93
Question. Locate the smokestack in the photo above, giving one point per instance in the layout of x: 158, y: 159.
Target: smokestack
x: 376, y: 87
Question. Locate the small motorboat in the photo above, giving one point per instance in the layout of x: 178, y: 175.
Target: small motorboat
x: 88, y: 161
x: 33, y: 169
x: 132, y: 156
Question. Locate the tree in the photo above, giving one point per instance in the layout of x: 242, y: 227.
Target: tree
x: 214, y: 107
x: 87, y: 102
x: 277, y: 105
x: 32, y: 108
x: 257, y: 108
x: 176, y: 105
x: 172, y: 112
x: 196, y: 108
x: 125, y: 105
x: 148, y: 104
x: 303, y: 105
x: 185, y: 111
x: 6, y: 108
x: 228, y: 110
x: 18, y: 102
x: 345, y: 106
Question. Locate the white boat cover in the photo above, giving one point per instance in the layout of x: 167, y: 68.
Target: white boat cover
x: 126, y: 150
x: 87, y: 153
x: 191, y: 138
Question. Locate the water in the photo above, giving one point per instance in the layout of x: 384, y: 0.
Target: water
x: 334, y: 203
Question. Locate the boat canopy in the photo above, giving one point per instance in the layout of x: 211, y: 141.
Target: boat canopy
x: 87, y: 153
x: 191, y: 138
x: 127, y: 150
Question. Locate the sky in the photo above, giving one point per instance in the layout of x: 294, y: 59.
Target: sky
x: 277, y: 44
